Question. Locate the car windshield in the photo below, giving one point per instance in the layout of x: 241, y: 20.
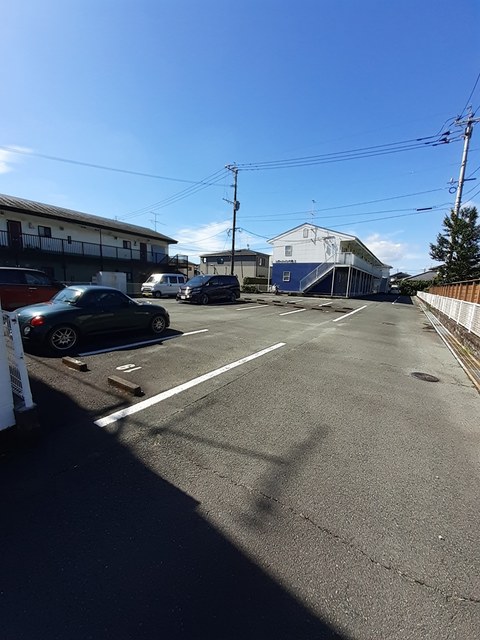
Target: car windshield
x: 68, y: 295
x: 154, y: 278
x: 197, y: 281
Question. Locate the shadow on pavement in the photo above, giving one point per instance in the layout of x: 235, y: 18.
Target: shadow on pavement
x: 386, y: 297
x: 96, y: 545
x: 106, y: 342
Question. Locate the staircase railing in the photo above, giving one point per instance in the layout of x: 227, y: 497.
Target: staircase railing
x: 315, y: 275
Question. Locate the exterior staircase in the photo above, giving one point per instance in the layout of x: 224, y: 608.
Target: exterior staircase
x: 315, y: 276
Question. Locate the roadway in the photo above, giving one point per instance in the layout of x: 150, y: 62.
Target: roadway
x: 284, y: 475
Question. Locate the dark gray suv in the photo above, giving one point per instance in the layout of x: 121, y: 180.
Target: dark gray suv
x: 205, y: 289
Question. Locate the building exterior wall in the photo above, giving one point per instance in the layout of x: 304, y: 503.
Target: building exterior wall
x: 341, y: 263
x: 71, y: 251
x: 245, y: 266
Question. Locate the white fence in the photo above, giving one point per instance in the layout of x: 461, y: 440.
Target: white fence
x: 14, y: 383
x: 465, y: 313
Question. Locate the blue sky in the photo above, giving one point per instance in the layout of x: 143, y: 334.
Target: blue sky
x: 180, y: 88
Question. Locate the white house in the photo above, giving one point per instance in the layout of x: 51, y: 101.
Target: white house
x: 73, y: 246
x: 312, y: 259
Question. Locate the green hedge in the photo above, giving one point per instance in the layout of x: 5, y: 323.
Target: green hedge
x: 410, y: 287
x: 248, y: 281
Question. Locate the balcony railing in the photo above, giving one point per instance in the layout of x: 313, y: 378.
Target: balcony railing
x: 355, y: 261
x: 29, y: 242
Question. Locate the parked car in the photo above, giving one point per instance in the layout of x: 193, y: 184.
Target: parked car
x: 162, y: 284
x: 82, y: 310
x: 205, y: 289
x: 20, y: 287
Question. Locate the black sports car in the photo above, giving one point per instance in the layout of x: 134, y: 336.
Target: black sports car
x: 83, y: 310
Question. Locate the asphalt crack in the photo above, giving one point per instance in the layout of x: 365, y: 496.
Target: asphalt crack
x: 449, y: 597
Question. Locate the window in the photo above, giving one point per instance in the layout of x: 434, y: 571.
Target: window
x: 112, y: 300
x: 261, y: 262
x: 305, y: 232
x: 286, y: 276
x: 36, y: 279
x: 11, y: 277
x: 127, y: 244
x: 45, y: 232
x: 288, y: 250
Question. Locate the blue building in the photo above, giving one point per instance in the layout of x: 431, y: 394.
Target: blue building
x: 312, y: 259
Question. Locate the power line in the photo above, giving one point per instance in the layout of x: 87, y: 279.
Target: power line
x: 348, y: 224
x: 470, y: 96
x: 473, y: 195
x: 196, y: 246
x: 216, y: 177
x: 404, y: 215
x: 350, y: 215
x: 339, y: 156
x: 358, y: 204
x: 95, y: 166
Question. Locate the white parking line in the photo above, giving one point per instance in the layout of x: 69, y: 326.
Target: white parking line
x: 137, y: 344
x: 260, y: 306
x: 289, y: 312
x: 128, y: 411
x: 350, y: 314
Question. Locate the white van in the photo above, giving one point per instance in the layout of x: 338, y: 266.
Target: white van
x: 162, y: 284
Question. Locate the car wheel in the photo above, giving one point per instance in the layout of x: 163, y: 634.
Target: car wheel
x: 158, y: 323
x: 204, y: 299
x: 233, y: 297
x: 157, y: 294
x: 63, y: 338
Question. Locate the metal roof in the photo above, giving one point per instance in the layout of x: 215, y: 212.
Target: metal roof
x: 13, y: 203
x: 431, y: 274
x: 238, y: 252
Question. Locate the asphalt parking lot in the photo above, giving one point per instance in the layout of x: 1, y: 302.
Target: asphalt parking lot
x: 200, y: 339
x: 285, y: 474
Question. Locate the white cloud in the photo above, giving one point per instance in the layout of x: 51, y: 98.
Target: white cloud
x: 399, y: 255
x: 212, y: 237
x: 8, y: 157
x: 387, y: 250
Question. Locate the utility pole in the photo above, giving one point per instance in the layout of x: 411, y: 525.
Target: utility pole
x: 469, y: 122
x: 154, y: 214
x: 236, y: 206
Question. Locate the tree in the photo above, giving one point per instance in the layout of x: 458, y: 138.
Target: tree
x: 458, y: 247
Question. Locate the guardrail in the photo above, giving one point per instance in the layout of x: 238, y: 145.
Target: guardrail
x: 464, y: 313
